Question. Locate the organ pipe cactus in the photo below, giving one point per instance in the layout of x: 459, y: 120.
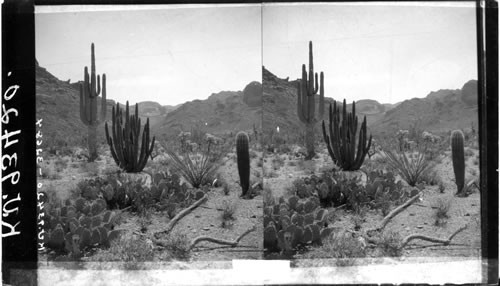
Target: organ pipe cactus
x: 89, y: 91
x: 341, y: 142
x: 457, y: 156
x: 125, y: 140
x: 306, y: 104
x: 243, y: 159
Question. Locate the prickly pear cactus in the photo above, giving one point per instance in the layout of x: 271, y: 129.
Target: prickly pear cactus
x: 78, y: 225
x: 292, y: 223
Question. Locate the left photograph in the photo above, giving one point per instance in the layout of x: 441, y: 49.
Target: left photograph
x: 150, y: 135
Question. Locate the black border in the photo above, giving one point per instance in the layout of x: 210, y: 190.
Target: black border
x: 18, y: 50
x: 20, y: 252
x: 487, y: 47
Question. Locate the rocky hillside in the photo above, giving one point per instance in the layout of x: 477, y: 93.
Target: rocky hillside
x: 223, y: 112
x: 227, y: 111
x: 280, y: 106
x: 440, y: 111
x: 57, y: 103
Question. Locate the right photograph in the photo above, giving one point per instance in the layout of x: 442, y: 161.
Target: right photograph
x: 370, y: 133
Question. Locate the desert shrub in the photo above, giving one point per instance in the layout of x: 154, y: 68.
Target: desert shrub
x: 130, y: 249
x: 144, y: 220
x: 442, y: 206
x: 270, y: 173
x: 177, y: 245
x: 259, y: 163
x: 343, y: 246
x: 441, y: 187
x: 226, y: 189
x: 253, y: 154
x: 111, y: 170
x: 309, y: 166
x: 228, y: 210
x: 90, y: 168
x: 389, y: 244
x: 430, y: 176
x: 410, y: 166
x: 55, y: 144
x: 277, y: 162
x: 357, y: 220
x: 199, y: 167
x: 284, y: 148
x: 60, y: 164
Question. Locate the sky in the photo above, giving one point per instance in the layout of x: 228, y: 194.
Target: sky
x: 168, y: 54
x: 176, y: 53
x: 383, y: 51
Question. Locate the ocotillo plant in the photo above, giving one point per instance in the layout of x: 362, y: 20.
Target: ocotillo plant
x: 243, y: 159
x: 125, y: 140
x: 306, y: 104
x: 457, y: 156
x: 341, y: 142
x: 89, y: 91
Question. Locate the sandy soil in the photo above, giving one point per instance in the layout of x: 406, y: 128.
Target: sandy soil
x: 61, y: 180
x: 417, y: 219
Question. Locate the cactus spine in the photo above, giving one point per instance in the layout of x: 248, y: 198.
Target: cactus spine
x: 89, y: 91
x: 341, y: 142
x: 243, y: 159
x: 124, y: 143
x: 306, y: 105
x: 457, y: 156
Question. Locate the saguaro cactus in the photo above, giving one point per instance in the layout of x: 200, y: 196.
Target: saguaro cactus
x: 125, y: 140
x: 341, y: 143
x: 306, y: 104
x: 243, y: 159
x: 457, y: 156
x: 89, y: 91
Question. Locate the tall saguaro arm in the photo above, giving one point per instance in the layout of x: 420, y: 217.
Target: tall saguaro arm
x: 90, y: 90
x: 306, y: 101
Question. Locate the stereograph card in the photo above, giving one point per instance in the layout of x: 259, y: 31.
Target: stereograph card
x: 249, y: 143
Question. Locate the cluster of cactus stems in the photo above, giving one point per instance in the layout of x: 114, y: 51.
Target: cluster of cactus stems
x: 89, y: 91
x: 458, y: 158
x: 128, y: 150
x: 243, y: 159
x: 74, y: 227
x: 306, y: 101
x: 341, y: 141
x: 292, y: 223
